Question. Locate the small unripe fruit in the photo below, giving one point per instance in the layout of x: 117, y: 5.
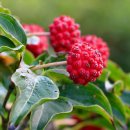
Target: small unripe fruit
x: 99, y: 44
x: 84, y: 63
x: 36, y: 44
x: 63, y: 32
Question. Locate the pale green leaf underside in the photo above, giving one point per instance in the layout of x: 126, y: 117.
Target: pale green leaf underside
x: 44, y: 113
x: 32, y: 90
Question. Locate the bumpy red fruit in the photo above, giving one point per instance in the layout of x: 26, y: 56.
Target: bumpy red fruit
x: 63, y: 32
x: 35, y: 44
x: 84, y: 63
x: 99, y: 44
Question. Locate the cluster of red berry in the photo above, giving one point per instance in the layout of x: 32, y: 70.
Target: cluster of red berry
x: 87, y: 55
x: 36, y: 44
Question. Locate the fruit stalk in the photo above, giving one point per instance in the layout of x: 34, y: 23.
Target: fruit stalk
x: 49, y: 65
x: 38, y: 34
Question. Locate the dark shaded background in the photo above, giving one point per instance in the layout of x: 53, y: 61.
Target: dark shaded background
x: 109, y: 19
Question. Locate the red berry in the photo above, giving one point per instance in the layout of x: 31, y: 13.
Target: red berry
x: 91, y: 127
x: 35, y: 44
x: 99, y: 44
x: 63, y: 32
x: 84, y: 63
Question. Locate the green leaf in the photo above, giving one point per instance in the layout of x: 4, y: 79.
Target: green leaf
x: 127, y: 111
x: 4, y: 41
x: 99, y: 122
x: 90, y: 98
x: 116, y: 73
x: 126, y: 97
x: 32, y: 90
x: 104, y: 83
x: 58, y: 75
x: 5, y: 74
x: 51, y: 51
x: 41, y: 57
x: 47, y: 58
x: 18, y: 49
x: 7, y: 45
x: 117, y: 107
x: 127, y: 81
x: 52, y: 58
x: 28, y: 57
x: 3, y: 93
x: 118, y: 87
x: 4, y: 10
x: 12, y: 29
x: 1, y: 110
x: 116, y: 103
x: 104, y: 76
x: 44, y: 113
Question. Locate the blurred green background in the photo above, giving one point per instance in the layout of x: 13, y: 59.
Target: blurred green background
x: 109, y: 19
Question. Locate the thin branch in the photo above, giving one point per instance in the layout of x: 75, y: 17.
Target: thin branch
x: 49, y: 65
x: 5, y: 120
x: 38, y: 34
x: 8, y: 95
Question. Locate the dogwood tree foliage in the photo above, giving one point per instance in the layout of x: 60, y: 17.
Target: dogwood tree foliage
x: 37, y: 90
